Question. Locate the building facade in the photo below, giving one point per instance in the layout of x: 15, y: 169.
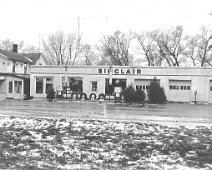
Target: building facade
x: 14, y: 75
x: 15, y: 72
x: 181, y: 84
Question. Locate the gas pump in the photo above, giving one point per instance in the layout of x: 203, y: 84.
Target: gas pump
x: 117, y: 91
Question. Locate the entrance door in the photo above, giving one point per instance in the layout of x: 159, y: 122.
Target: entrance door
x: 109, y: 89
x: 27, y: 87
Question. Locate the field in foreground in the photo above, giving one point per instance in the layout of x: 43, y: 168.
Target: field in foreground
x: 35, y: 143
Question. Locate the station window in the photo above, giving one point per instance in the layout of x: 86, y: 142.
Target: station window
x: 39, y: 84
x: 49, y: 83
x: 142, y: 87
x: 10, y: 87
x: 175, y: 87
x: 94, y: 86
x: 18, y: 86
x: 74, y: 84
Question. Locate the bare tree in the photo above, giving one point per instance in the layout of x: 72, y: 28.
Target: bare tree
x: 116, y: 47
x: 171, y: 44
x: 199, y: 48
x: 204, y: 45
x: 7, y: 44
x: 149, y: 49
x: 61, y: 49
x: 192, y: 51
x: 89, y: 55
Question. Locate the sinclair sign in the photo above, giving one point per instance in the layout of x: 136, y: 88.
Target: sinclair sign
x: 119, y: 71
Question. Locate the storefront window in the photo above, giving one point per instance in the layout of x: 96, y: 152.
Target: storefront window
x: 10, y: 87
x: 49, y: 83
x: 94, y: 86
x: 39, y: 84
x: 75, y: 84
x: 18, y: 86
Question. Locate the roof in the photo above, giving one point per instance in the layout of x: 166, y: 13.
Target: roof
x: 32, y: 56
x: 15, y: 56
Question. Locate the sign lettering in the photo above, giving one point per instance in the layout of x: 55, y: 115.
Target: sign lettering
x: 119, y: 71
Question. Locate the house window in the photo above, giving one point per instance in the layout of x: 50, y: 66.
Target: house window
x: 39, y: 84
x: 10, y: 87
x: 49, y: 83
x: 211, y: 88
x: 94, y: 86
x: 25, y: 68
x: 13, y: 66
x: 18, y: 87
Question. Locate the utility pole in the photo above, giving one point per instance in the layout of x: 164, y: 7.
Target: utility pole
x: 39, y: 42
x: 78, y: 30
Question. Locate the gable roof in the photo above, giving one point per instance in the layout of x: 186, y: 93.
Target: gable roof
x: 15, y: 56
x: 35, y: 57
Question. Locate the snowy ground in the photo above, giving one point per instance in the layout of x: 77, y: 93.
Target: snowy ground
x: 44, y: 143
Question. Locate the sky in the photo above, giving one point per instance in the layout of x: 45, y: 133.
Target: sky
x: 33, y: 20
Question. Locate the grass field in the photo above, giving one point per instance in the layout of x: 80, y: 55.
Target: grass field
x: 35, y: 144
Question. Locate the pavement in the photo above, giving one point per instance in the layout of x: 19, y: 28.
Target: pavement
x: 168, y: 114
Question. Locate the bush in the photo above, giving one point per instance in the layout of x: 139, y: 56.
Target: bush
x: 50, y: 94
x: 139, y: 95
x: 156, y: 93
x: 130, y: 95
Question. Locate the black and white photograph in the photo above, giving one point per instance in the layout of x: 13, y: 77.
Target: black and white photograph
x: 106, y: 85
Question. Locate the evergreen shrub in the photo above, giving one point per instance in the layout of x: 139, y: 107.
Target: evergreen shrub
x: 156, y: 93
x: 132, y: 95
x: 139, y: 95
x: 50, y: 94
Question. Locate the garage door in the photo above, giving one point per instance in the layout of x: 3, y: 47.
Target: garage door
x: 143, y: 84
x: 210, y: 92
x: 179, y: 90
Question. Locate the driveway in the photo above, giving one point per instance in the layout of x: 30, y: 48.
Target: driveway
x: 171, y: 113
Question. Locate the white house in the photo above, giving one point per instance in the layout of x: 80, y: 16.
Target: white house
x: 14, y: 75
x: 15, y: 72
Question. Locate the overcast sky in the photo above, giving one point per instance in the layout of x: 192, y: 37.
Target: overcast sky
x: 26, y: 19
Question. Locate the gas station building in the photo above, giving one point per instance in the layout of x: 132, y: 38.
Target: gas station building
x: 181, y: 84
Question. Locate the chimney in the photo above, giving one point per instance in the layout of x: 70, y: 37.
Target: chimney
x: 15, y: 48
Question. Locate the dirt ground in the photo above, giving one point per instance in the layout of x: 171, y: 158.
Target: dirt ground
x: 171, y: 113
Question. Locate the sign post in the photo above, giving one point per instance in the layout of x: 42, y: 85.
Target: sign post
x: 110, y: 80
x: 195, y: 96
x: 66, y: 79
